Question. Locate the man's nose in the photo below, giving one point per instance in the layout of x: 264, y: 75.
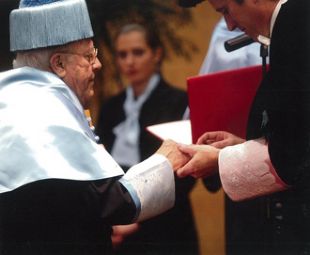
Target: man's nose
x: 230, y: 23
x: 97, y: 65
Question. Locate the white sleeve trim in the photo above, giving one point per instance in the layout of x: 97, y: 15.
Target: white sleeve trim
x: 151, y: 184
x: 246, y: 171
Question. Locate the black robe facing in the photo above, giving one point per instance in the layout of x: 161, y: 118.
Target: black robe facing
x: 55, y: 217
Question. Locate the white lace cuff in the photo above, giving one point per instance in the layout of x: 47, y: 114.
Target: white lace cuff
x: 151, y: 185
x: 247, y: 172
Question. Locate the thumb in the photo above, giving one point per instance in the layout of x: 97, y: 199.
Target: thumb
x: 220, y: 144
x: 186, y: 170
x: 186, y: 149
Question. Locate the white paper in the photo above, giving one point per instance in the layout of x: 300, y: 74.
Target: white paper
x: 179, y: 131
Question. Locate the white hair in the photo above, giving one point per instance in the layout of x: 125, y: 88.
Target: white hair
x: 38, y: 58
x: 33, y: 58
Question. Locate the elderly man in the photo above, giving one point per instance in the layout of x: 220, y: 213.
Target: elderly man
x: 60, y: 192
x: 275, y: 158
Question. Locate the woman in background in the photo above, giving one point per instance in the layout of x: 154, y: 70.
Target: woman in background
x: 148, y: 99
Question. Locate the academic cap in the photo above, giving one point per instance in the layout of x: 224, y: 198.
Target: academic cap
x: 43, y: 23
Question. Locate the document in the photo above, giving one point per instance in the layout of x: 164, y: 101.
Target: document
x: 179, y: 131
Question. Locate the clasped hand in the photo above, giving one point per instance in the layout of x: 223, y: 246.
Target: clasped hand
x: 201, y: 160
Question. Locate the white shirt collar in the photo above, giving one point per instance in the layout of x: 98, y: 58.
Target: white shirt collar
x: 126, y: 146
x: 266, y: 40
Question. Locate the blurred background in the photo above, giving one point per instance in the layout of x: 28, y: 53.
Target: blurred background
x: 186, y: 34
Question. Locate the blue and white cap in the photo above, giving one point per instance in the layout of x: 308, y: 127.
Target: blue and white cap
x: 43, y: 23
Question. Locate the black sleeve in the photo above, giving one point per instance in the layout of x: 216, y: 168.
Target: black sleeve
x: 117, y: 204
x: 283, y: 98
x: 58, y: 211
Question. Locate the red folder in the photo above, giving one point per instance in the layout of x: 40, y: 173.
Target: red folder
x: 222, y: 100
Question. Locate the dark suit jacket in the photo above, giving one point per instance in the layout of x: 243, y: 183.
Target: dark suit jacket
x: 174, y: 231
x: 279, y: 223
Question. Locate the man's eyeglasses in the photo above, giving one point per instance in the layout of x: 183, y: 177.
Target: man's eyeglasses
x: 91, y: 57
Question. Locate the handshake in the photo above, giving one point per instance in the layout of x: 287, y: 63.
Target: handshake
x: 198, y: 160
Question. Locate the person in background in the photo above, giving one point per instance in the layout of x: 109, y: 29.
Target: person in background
x: 147, y: 100
x: 270, y: 167
x: 60, y: 191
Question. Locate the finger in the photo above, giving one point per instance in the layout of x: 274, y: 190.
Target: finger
x: 186, y: 170
x: 220, y: 144
x: 130, y: 229
x: 206, y: 141
x: 186, y: 149
x: 202, y: 139
x: 125, y: 230
x: 208, y: 138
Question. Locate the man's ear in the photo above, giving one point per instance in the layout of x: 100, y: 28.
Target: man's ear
x: 57, y: 65
x: 158, y: 54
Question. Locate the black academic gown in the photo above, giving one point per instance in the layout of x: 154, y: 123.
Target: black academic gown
x: 174, y: 231
x: 280, y: 223
x: 62, y: 217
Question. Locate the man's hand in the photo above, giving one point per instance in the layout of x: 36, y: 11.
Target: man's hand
x: 219, y: 139
x: 170, y: 150
x: 120, y: 232
x: 203, y: 163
